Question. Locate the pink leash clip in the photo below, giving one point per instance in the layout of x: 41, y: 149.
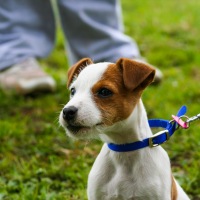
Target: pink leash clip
x: 180, y: 122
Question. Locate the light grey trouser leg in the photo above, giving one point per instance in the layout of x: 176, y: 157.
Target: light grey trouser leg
x: 26, y: 30
x: 93, y: 28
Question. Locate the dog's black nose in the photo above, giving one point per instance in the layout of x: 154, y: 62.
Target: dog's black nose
x: 69, y: 113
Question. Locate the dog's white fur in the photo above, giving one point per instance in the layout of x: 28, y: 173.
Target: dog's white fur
x: 138, y: 175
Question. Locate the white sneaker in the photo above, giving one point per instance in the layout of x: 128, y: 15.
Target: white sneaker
x: 25, y: 78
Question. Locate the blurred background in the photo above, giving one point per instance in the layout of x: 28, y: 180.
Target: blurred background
x: 38, y: 161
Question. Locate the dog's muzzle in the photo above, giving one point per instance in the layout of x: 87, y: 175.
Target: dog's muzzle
x: 69, y: 115
x: 74, y: 123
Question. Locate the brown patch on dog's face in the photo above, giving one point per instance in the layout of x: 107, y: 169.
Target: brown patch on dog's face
x: 120, y: 104
x: 120, y: 88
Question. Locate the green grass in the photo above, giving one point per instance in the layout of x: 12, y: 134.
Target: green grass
x: 37, y: 160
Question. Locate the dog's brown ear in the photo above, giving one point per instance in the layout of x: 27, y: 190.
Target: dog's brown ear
x: 136, y: 74
x: 76, y: 69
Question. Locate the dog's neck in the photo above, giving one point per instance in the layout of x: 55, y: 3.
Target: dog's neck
x: 134, y: 128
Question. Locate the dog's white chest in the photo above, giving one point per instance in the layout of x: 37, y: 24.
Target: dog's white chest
x: 120, y: 186
x: 120, y: 179
x: 110, y: 182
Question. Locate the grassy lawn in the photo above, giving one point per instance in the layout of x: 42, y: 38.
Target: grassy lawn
x: 38, y: 161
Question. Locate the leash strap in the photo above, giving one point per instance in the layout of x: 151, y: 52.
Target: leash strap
x: 157, y: 139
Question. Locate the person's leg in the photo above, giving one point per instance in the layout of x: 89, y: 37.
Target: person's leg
x: 27, y: 29
x: 94, y: 29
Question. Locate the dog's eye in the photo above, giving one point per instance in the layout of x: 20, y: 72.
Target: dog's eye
x: 104, y: 92
x: 73, y: 91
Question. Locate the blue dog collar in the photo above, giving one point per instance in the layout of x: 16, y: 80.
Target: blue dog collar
x: 156, y: 140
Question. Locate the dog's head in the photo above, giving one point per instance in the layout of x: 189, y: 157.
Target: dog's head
x: 102, y: 94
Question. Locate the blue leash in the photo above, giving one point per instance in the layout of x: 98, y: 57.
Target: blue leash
x: 156, y: 140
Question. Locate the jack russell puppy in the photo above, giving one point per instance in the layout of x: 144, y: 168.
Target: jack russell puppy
x: 105, y: 102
